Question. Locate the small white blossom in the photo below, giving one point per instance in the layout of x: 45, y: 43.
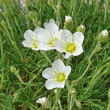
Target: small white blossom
x: 105, y: 33
x: 68, y: 18
x: 42, y: 100
x: 70, y: 44
x: 57, y: 75
x: 48, y: 36
x: 31, y: 40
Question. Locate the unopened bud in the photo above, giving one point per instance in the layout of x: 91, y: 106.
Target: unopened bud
x: 15, y: 97
x: 44, y: 102
x: 13, y: 69
x: 4, y: 14
x: 50, y: 2
x: 98, y: 49
x: 33, y: 15
x: 68, y: 23
x: 3, y: 23
x: 73, y: 91
x: 81, y: 28
x: 103, y: 36
x: 78, y: 104
x: 74, y: 83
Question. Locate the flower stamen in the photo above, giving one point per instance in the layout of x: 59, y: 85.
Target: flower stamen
x: 70, y: 47
x: 61, y: 77
x: 52, y: 42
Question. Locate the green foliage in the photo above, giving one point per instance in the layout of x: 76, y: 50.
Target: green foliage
x: 21, y: 92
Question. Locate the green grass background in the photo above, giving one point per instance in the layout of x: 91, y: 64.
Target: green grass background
x: 15, y: 20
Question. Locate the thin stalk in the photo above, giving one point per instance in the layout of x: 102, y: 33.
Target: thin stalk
x: 46, y: 57
x: 71, y: 100
x: 89, y: 61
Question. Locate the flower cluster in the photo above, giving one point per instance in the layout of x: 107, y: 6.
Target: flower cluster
x: 51, y: 37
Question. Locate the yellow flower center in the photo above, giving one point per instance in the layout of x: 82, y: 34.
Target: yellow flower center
x: 70, y: 47
x: 52, y: 42
x: 35, y: 43
x: 61, y: 77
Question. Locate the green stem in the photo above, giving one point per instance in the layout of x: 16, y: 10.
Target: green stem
x: 46, y: 57
x: 71, y: 102
x: 99, y: 70
x: 68, y: 60
x: 89, y: 61
x: 59, y: 102
x: 20, y: 79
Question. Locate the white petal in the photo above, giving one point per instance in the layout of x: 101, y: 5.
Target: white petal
x: 44, y: 46
x: 51, y: 21
x: 67, y: 70
x: 58, y: 66
x: 27, y: 44
x: 43, y: 35
x: 66, y: 35
x: 48, y: 73
x: 78, y: 51
x: 60, y: 45
x: 78, y: 38
x: 35, y: 48
x: 67, y: 55
x: 29, y: 35
x: 60, y: 85
x: 53, y: 29
x: 50, y: 84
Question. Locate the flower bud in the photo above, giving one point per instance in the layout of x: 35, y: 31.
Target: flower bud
x: 3, y: 23
x: 81, y: 28
x: 44, y: 102
x: 32, y: 15
x: 68, y: 23
x: 50, y: 2
x: 73, y: 91
x: 78, y: 104
x: 103, y: 36
x: 98, y: 48
x: 13, y: 69
x: 74, y: 83
x: 15, y: 97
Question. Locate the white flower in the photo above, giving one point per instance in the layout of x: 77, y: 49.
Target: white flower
x: 68, y: 18
x: 70, y: 44
x: 48, y: 36
x: 57, y: 75
x: 42, y: 100
x: 30, y: 40
x: 105, y: 33
x: 50, y: 21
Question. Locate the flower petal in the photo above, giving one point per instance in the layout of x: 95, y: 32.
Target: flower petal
x: 67, y: 70
x: 66, y: 35
x: 60, y: 45
x: 78, y: 38
x: 53, y: 29
x: 43, y: 35
x: 27, y: 44
x: 48, y: 73
x: 44, y: 46
x: 60, y: 85
x: 58, y: 66
x: 78, y: 51
x: 67, y: 55
x: 29, y: 35
x: 50, y: 84
x: 50, y: 21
